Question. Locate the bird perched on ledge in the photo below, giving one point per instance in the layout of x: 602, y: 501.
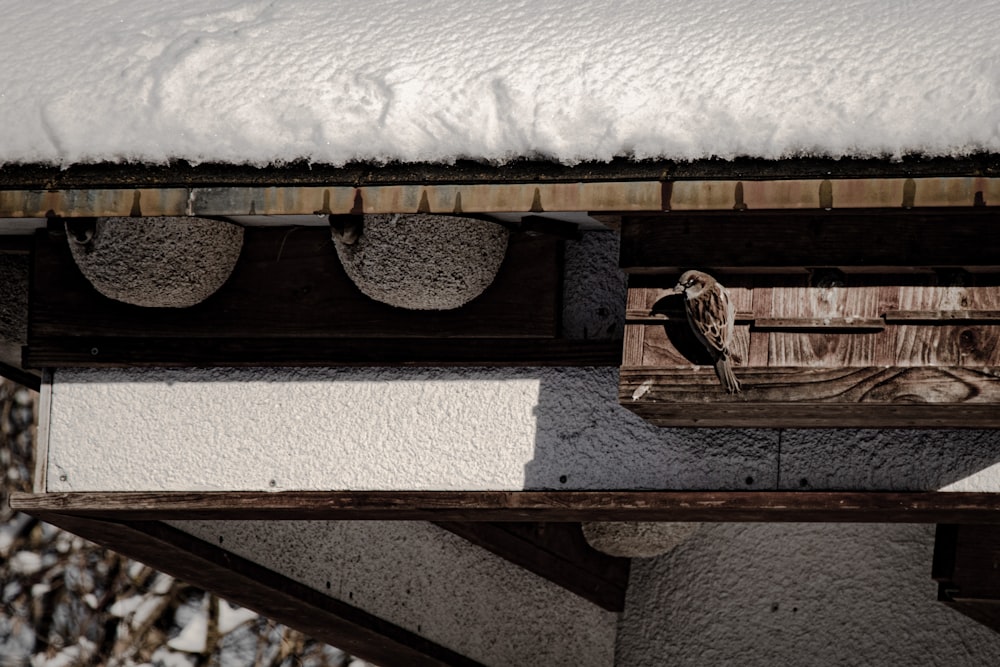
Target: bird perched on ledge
x: 711, y: 315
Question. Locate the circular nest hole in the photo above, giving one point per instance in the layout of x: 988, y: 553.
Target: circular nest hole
x: 424, y: 262
x: 159, y: 262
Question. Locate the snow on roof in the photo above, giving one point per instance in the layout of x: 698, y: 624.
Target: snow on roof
x: 262, y: 82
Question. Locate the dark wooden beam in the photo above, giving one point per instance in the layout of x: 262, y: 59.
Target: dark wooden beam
x: 20, y: 376
x: 670, y: 243
x: 556, y: 551
x: 110, y: 352
x: 250, y: 585
x: 558, y: 506
x: 966, y: 562
x: 180, y: 173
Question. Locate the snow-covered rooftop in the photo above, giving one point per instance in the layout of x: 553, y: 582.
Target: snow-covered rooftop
x: 264, y: 82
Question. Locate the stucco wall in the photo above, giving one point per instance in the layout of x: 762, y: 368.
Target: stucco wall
x: 431, y: 582
x: 760, y: 595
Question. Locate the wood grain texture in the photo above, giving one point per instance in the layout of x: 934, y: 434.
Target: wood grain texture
x: 816, y: 397
x: 250, y: 585
x: 863, y: 507
x: 556, y: 551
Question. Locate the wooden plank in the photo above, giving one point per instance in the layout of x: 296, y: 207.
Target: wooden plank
x: 258, y: 588
x: 934, y: 316
x: 207, y: 352
x: 965, y: 567
x: 289, y: 283
x: 556, y: 551
x: 826, y: 324
x: 675, y: 241
x: 816, y: 397
x: 560, y: 506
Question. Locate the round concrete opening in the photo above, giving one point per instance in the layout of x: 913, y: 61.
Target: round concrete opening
x: 423, y: 262
x: 157, y: 262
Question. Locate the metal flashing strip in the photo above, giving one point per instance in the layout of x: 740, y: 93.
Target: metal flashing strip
x: 498, y: 196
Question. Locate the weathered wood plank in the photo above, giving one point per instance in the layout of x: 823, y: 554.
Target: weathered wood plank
x: 865, y: 239
x: 289, y: 283
x: 920, y: 507
x: 556, y: 551
x: 816, y: 397
x: 250, y: 585
x: 832, y: 297
x: 207, y: 352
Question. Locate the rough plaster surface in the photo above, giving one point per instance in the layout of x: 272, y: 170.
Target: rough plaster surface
x: 891, y: 460
x: 637, y: 539
x: 159, y: 262
x: 424, y: 262
x: 595, y: 288
x: 797, y: 594
x: 379, y: 428
x: 430, y: 582
x: 14, y: 298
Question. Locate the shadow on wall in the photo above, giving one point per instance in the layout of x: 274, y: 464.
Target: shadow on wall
x: 585, y: 440
x: 796, y: 594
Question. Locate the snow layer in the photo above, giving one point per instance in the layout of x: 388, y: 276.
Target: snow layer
x: 259, y: 82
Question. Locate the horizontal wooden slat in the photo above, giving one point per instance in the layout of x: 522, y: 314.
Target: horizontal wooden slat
x: 887, y: 507
x: 942, y: 316
x: 752, y: 240
x: 87, y: 352
x: 816, y: 397
x: 849, y: 324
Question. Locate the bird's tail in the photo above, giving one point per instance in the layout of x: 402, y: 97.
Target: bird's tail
x: 724, y: 369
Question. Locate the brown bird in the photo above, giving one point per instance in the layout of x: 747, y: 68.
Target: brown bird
x: 711, y: 316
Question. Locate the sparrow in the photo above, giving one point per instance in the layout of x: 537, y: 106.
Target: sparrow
x: 711, y: 315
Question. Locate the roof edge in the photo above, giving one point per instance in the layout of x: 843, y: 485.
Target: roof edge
x: 180, y: 173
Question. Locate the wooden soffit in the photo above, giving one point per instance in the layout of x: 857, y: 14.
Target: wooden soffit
x: 179, y: 189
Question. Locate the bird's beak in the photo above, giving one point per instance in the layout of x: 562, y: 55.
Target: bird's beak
x: 678, y: 287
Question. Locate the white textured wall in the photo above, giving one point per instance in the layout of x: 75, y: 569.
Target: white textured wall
x: 761, y: 595
x: 386, y: 428
x: 431, y: 582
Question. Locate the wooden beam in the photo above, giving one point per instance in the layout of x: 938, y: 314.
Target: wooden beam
x: 110, y: 352
x: 559, y: 506
x: 250, y: 585
x: 803, y: 397
x: 556, y: 551
x: 670, y: 243
x: 966, y: 559
x: 206, y: 174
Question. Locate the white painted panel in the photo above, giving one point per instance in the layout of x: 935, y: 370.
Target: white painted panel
x: 378, y: 429
x: 430, y: 582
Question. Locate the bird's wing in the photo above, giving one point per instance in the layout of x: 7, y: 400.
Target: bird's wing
x: 709, y: 315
